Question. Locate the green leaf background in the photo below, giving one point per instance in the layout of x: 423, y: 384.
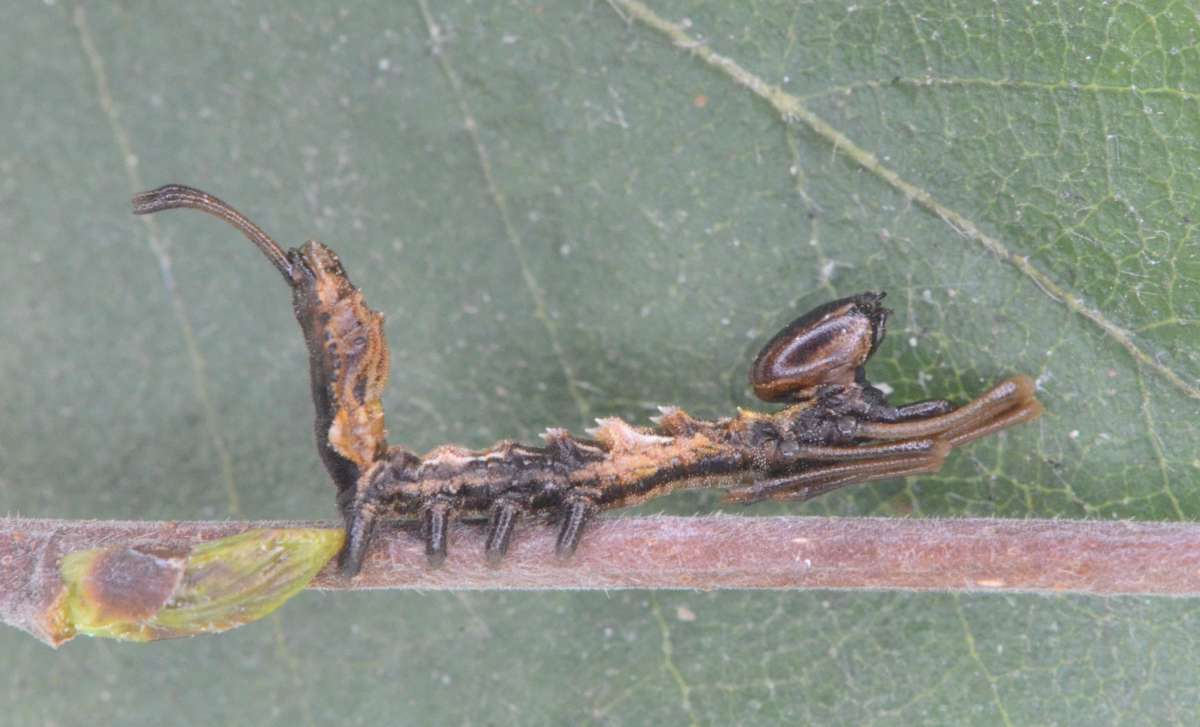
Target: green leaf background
x: 565, y: 213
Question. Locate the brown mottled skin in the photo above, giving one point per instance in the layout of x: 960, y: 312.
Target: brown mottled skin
x: 836, y: 429
x: 348, y: 364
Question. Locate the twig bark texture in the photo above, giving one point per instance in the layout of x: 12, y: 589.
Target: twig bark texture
x: 1102, y: 558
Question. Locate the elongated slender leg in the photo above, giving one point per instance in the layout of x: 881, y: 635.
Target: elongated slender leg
x: 923, y: 409
x: 576, y: 514
x: 500, y: 529
x: 820, y: 479
x: 892, y: 470
x: 435, y: 521
x: 1028, y: 411
x: 1003, y: 396
x: 852, y: 452
x: 906, y: 457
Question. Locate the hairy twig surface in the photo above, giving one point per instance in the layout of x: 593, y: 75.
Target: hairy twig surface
x: 1059, y: 556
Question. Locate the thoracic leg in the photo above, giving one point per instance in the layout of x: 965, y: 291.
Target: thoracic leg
x: 823, y: 478
x: 1024, y: 412
x: 1005, y: 395
x: 923, y: 409
x: 851, y: 452
x: 920, y: 444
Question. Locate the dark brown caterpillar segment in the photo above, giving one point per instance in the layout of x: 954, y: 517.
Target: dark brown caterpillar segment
x: 348, y: 356
x: 838, y: 429
x: 348, y: 364
x: 795, y: 454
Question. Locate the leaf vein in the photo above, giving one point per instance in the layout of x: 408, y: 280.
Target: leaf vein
x: 792, y: 109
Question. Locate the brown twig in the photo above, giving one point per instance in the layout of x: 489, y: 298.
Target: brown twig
x: 1102, y: 558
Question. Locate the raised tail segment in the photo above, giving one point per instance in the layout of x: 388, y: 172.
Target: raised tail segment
x: 348, y: 356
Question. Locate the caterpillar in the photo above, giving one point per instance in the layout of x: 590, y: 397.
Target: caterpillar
x: 835, y: 429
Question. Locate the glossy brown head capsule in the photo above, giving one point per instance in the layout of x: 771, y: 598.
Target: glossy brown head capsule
x: 827, y: 345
